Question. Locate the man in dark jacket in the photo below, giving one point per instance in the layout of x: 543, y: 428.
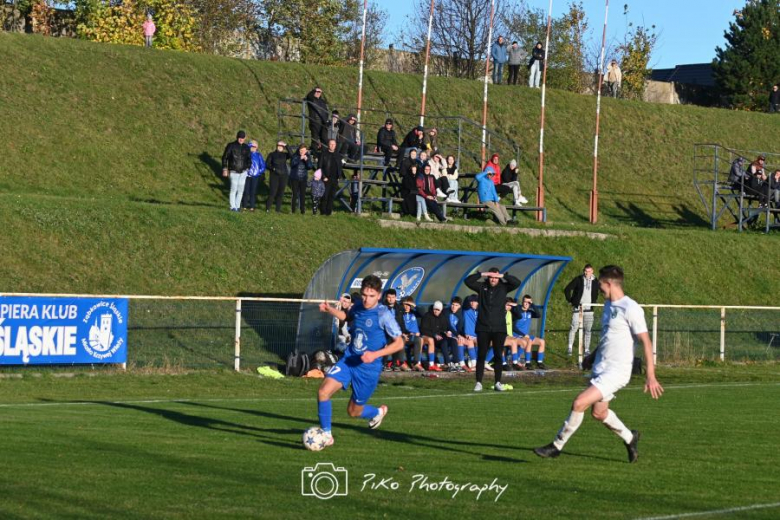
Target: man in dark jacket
x: 414, y: 139
x: 300, y: 165
x: 318, y: 116
x: 332, y: 172
x: 774, y: 99
x: 434, y: 332
x: 278, y: 175
x: 386, y: 140
x: 491, y: 320
x: 580, y: 293
x: 236, y: 160
x: 350, y: 139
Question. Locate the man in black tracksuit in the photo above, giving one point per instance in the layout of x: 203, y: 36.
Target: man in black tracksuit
x: 491, y: 320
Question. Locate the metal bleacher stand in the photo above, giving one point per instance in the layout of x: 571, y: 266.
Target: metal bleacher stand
x: 379, y: 183
x: 711, y: 168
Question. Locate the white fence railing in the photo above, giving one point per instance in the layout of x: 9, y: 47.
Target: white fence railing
x: 197, y: 331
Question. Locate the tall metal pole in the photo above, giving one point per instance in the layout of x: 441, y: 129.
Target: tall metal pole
x: 425, y: 71
x: 362, y: 59
x: 485, y: 95
x: 594, y: 194
x: 540, y: 188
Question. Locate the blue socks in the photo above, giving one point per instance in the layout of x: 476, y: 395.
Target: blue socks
x: 528, y: 356
x: 325, y: 411
x: 472, y: 354
x: 461, y: 348
x: 431, y: 358
x: 369, y: 412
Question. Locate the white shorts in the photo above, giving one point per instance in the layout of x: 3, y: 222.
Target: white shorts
x: 609, y: 383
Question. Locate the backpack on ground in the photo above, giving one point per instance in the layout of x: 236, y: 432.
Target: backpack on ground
x: 297, y: 364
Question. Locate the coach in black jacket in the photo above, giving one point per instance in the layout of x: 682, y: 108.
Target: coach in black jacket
x: 582, y: 291
x: 491, y: 320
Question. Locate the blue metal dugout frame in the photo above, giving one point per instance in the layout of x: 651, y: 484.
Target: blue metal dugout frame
x: 426, y: 275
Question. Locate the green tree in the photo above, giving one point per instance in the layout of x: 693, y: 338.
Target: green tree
x: 635, y: 54
x: 749, y: 64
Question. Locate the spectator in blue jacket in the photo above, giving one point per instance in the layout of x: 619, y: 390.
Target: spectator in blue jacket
x: 300, y: 165
x: 253, y: 178
x: 498, y: 53
x: 486, y: 190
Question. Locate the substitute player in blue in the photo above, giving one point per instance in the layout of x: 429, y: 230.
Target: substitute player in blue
x: 522, y: 331
x: 371, y: 324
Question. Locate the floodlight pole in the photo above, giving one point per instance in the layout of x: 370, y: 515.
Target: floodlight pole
x: 485, y: 94
x: 427, y: 58
x: 594, y: 194
x: 362, y: 59
x: 540, y: 188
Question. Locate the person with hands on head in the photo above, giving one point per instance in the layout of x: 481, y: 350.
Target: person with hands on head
x: 370, y: 324
x: 491, y: 319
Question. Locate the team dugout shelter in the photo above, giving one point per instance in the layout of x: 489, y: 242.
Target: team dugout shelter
x: 426, y: 276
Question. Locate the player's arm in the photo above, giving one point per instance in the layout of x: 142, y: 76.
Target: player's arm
x: 512, y: 282
x: 651, y: 384
x: 472, y: 281
x: 336, y: 313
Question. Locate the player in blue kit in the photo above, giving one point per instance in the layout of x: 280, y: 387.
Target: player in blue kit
x: 370, y: 324
x: 521, y: 330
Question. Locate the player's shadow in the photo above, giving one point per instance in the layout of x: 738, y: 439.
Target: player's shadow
x: 401, y: 437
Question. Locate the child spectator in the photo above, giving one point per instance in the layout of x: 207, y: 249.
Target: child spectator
x: 149, y: 30
x: 317, y: 191
x: 253, y: 178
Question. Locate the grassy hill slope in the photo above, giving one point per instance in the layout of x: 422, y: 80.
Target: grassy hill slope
x: 107, y: 178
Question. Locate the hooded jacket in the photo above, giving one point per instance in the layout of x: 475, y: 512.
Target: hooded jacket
x: 492, y: 301
x: 486, y: 189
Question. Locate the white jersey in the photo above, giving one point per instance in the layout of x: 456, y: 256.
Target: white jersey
x: 622, y: 320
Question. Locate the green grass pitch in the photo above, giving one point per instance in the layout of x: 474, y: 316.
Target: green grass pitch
x: 222, y: 445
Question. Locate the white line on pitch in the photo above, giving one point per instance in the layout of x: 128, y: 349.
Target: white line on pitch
x: 392, y: 398
x: 715, y: 512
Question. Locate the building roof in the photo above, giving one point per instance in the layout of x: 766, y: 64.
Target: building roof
x: 693, y: 74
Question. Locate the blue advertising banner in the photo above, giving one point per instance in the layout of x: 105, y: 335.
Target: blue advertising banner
x: 56, y: 331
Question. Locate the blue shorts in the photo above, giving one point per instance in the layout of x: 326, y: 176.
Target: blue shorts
x: 520, y: 336
x: 363, y: 377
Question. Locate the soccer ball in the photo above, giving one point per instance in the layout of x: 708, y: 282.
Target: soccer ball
x: 315, y: 439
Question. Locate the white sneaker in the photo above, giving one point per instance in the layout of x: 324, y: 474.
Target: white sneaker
x: 586, y: 353
x: 478, y: 387
x: 376, y: 421
x: 522, y: 200
x: 518, y: 203
x: 472, y: 363
x: 488, y: 368
x: 498, y: 387
x: 428, y: 218
x: 568, y: 353
x: 418, y: 219
x: 441, y: 194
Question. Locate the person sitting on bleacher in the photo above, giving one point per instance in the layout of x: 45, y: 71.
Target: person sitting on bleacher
x: 495, y: 166
x: 414, y: 139
x: 758, y: 178
x: 431, y: 141
x: 426, y: 188
x: 386, y: 141
x: 422, y: 159
x: 510, y: 179
x: 438, y: 169
x: 737, y: 174
x: 350, y: 139
x: 408, y: 161
x: 486, y: 190
x: 774, y: 185
x: 451, y: 173
x: 409, y: 192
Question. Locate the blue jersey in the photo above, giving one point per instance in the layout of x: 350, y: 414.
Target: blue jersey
x: 523, y: 319
x: 453, y: 323
x: 470, y: 322
x: 410, y: 321
x: 369, y: 327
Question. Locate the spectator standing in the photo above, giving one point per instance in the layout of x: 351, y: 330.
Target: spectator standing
x: 491, y: 319
x: 236, y: 160
x: 498, y: 53
x: 350, y: 139
x: 510, y: 179
x: 149, y: 30
x: 614, y: 78
x: 278, y: 175
x: 536, y: 66
x: 317, y: 191
x: 486, y: 190
x: 774, y: 100
x: 581, y: 292
x: 517, y: 57
x: 332, y: 172
x: 318, y: 116
x: 253, y: 178
x: 386, y: 141
x: 300, y: 165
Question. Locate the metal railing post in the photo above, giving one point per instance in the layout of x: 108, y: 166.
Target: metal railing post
x: 714, y: 216
x: 237, y: 341
x: 655, y: 335
x: 723, y: 334
x: 303, y: 123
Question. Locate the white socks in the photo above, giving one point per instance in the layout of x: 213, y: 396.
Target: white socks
x: 616, y: 425
x: 569, y: 427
